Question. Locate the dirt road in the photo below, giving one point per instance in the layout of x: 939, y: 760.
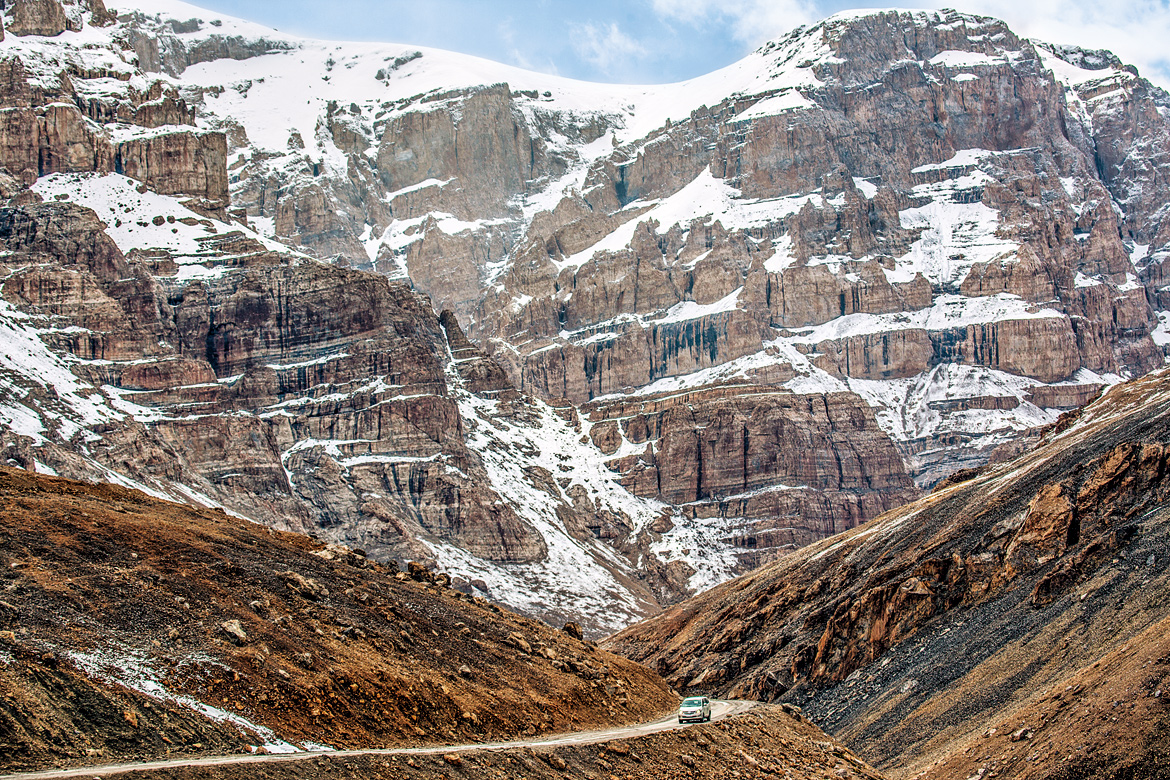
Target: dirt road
x: 719, y: 711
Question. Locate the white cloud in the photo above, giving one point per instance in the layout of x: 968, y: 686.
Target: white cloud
x: 606, y: 47
x: 749, y: 21
x: 519, y: 53
x: 507, y: 36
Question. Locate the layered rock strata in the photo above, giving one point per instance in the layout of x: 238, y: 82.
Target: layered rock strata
x: 840, y: 240
x: 773, y: 470
x: 933, y: 231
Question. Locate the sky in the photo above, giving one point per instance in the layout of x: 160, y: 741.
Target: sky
x: 658, y: 41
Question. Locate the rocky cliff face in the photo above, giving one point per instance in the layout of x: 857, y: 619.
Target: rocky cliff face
x: 208, y: 364
x: 757, y: 467
x: 910, y: 637
x: 150, y: 342
x: 929, y: 225
x: 874, y: 212
x: 756, y: 308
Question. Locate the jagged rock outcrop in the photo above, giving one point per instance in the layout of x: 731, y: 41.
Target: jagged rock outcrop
x: 479, y: 372
x: 36, y: 17
x: 487, y: 148
x: 61, y: 264
x: 52, y: 130
x: 180, y: 163
x: 908, y: 637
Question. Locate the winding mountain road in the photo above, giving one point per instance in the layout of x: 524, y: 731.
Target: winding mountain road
x: 719, y: 711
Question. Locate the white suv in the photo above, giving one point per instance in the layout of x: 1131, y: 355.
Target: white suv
x: 696, y: 709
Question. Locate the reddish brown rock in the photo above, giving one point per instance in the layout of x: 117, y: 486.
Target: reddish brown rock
x: 786, y: 468
x: 335, y: 625
x: 897, y: 355
x: 68, y: 144
x: 19, y: 147
x: 180, y: 163
x: 82, y: 277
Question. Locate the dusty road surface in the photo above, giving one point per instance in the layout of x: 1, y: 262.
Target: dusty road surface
x: 719, y: 711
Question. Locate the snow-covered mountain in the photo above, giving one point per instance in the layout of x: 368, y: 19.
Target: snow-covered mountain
x: 742, y: 312
x: 447, y: 177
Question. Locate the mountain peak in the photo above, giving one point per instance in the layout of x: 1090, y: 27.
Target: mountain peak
x: 716, y: 320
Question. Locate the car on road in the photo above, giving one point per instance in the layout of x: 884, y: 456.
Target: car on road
x: 696, y: 709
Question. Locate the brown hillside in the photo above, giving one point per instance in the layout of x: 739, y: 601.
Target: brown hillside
x: 912, y: 636
x: 109, y: 595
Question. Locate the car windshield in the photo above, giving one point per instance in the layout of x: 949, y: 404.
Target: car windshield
x: 692, y: 703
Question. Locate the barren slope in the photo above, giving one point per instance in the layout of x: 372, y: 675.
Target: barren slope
x: 982, y: 605
x: 138, y: 627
